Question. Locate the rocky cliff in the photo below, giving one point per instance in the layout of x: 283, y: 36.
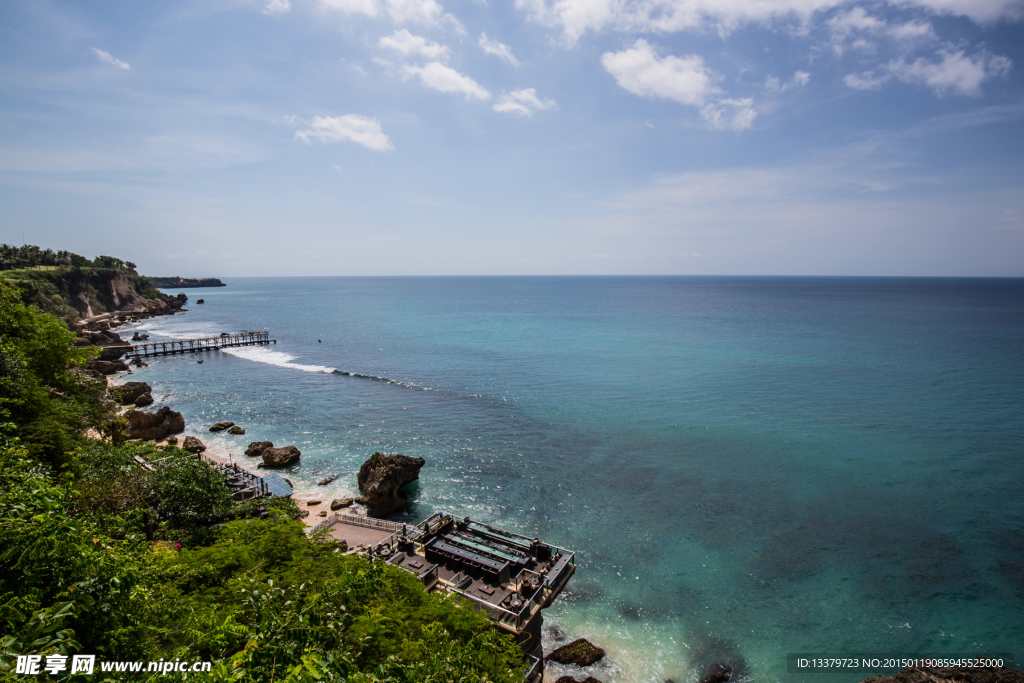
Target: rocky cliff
x: 183, y: 282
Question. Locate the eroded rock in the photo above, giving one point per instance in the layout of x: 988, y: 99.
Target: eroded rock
x: 236, y: 430
x: 128, y: 392
x: 221, y: 426
x: 344, y: 502
x: 257, y: 448
x: 143, y: 425
x: 580, y: 652
x: 381, y: 477
x: 280, y: 457
x: 193, y: 445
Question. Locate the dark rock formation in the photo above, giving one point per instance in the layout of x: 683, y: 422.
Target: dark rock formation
x: 327, y: 480
x: 183, y: 282
x: 143, y: 401
x: 343, y: 502
x: 955, y: 674
x: 129, y: 391
x: 718, y: 673
x: 236, y: 430
x: 311, y: 503
x: 193, y: 445
x: 717, y: 660
x: 570, y: 679
x: 221, y: 426
x: 580, y: 652
x: 107, y: 367
x: 200, y: 301
x: 280, y: 457
x: 114, y: 351
x: 381, y: 476
x: 156, y: 425
x: 257, y: 448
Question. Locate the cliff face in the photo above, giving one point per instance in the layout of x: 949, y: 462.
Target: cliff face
x: 79, y: 293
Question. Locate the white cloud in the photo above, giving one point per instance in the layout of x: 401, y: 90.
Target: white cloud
x: 400, y: 11
x: 407, y: 44
x: 523, y: 102
x: 732, y: 114
x: 576, y: 17
x: 107, y: 58
x: 642, y: 72
x: 955, y: 72
x: 493, y: 47
x: 446, y: 79
x: 351, y: 127
x: 800, y: 79
x: 277, y: 7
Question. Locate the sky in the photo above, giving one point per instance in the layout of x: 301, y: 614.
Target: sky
x: 221, y: 138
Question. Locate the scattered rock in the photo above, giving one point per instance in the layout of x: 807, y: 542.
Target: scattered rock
x: 236, y: 430
x: 107, y: 367
x: 129, y: 391
x: 323, y: 513
x: 955, y: 674
x: 257, y: 448
x: 280, y: 457
x: 339, y: 503
x: 137, y: 362
x: 570, y: 679
x: 557, y: 633
x: 142, y: 425
x: 718, y: 673
x: 580, y: 652
x: 173, y: 440
x: 193, y: 445
x: 200, y: 301
x: 221, y: 426
x: 144, y: 400
x: 311, y: 503
x: 327, y: 480
x: 381, y: 477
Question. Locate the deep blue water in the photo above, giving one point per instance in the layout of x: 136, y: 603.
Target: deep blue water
x: 747, y: 467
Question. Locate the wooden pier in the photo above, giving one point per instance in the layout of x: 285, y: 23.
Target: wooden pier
x: 167, y: 348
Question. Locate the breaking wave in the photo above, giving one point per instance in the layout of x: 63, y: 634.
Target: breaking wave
x: 281, y: 360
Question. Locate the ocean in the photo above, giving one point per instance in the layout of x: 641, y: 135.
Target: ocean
x: 747, y: 467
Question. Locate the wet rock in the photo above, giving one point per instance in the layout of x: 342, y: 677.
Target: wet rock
x: 570, y: 679
x: 955, y: 674
x: 718, y: 673
x: 129, y: 391
x: 221, y: 426
x: 142, y: 425
x: 200, y: 301
x: 717, y: 660
x: 381, y: 477
x: 280, y: 457
x: 257, y: 447
x: 327, y: 480
x: 144, y: 400
x: 193, y: 445
x: 339, y: 503
x: 323, y: 513
x: 557, y: 633
x: 311, y: 503
x: 236, y: 430
x: 580, y: 652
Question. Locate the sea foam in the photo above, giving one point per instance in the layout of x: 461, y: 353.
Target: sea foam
x: 282, y: 360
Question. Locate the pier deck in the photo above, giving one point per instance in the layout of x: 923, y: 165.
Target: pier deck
x: 167, y: 348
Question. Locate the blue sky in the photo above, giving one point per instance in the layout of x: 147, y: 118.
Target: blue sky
x: 408, y: 137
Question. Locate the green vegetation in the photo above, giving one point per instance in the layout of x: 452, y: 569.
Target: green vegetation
x: 99, y: 555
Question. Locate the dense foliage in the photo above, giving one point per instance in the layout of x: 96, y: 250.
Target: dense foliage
x: 101, y: 555
x: 31, y: 256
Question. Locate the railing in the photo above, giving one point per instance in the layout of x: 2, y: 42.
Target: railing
x: 532, y: 667
x: 175, y: 346
x: 365, y: 522
x: 235, y: 470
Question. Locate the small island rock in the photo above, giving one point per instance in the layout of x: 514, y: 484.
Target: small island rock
x: 327, y: 480
x: 280, y: 457
x: 381, y: 477
x: 221, y: 426
x: 580, y: 652
x: 236, y: 430
x: 257, y: 448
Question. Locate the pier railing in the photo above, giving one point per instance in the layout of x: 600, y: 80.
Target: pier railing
x: 175, y: 346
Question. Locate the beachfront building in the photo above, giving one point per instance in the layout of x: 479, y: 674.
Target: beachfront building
x: 508, y: 576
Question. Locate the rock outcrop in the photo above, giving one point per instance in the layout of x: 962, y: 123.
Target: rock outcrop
x: 142, y: 425
x: 257, y: 447
x: 193, y: 445
x: 954, y: 674
x: 381, y: 477
x: 182, y: 282
x: 236, y: 430
x: 128, y: 392
x: 143, y: 401
x: 570, y: 679
x: 280, y: 457
x: 221, y: 426
x: 339, y: 503
x: 580, y: 652
x: 107, y: 367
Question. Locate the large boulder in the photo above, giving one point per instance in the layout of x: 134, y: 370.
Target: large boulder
x: 280, y: 457
x: 343, y: 502
x: 129, y: 391
x: 236, y: 430
x: 257, y: 447
x: 193, y: 445
x: 580, y: 652
x: 156, y: 425
x: 144, y: 400
x: 107, y: 367
x: 381, y: 477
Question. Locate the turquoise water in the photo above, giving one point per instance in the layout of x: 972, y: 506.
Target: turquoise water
x: 747, y: 467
